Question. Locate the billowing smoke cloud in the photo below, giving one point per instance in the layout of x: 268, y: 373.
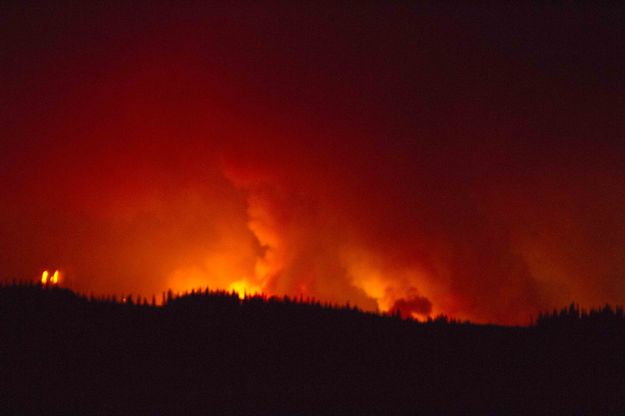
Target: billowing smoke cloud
x: 392, y: 157
x: 413, y: 306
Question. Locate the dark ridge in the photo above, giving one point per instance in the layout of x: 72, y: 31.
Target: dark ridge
x: 209, y: 352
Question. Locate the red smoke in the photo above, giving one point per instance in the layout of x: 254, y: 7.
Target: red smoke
x: 394, y: 158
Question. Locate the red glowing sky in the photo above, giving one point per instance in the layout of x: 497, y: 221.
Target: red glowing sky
x: 443, y: 159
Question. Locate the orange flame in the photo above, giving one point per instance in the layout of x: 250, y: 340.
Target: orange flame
x: 46, y: 279
x: 242, y: 288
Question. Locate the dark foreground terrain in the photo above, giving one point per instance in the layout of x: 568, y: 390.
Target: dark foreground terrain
x: 214, y: 354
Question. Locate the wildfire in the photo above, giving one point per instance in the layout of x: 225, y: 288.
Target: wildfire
x: 46, y: 279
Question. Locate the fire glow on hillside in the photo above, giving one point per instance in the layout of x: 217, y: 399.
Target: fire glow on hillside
x: 393, y: 155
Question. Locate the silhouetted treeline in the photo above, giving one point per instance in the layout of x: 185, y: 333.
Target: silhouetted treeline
x: 209, y: 352
x: 574, y: 316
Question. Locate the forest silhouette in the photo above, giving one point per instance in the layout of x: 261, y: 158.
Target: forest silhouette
x: 210, y: 352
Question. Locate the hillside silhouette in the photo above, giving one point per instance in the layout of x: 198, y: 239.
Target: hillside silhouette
x: 213, y: 353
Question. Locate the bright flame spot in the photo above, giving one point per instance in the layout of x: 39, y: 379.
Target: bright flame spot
x: 46, y: 279
x: 242, y: 288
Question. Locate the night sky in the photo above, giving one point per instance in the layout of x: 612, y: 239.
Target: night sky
x: 436, y: 158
